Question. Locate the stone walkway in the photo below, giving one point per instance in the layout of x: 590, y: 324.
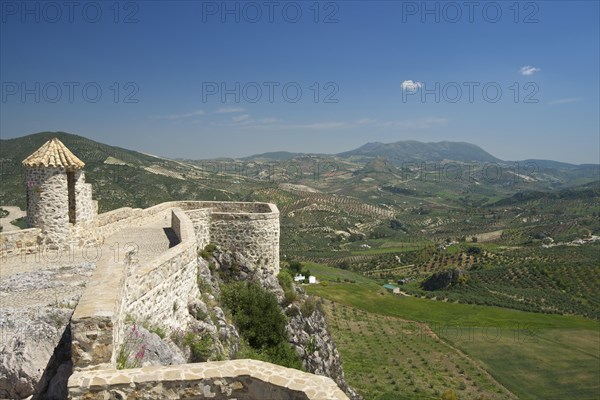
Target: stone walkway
x: 38, y: 293
x: 147, y: 242
x: 59, y: 278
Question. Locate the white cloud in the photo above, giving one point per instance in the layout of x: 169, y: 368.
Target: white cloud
x: 181, y: 116
x: 241, y: 118
x: 565, y: 101
x: 529, y: 70
x: 411, y: 86
x: 224, y: 110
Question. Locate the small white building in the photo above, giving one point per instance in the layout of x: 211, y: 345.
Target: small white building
x: 299, y: 278
x: 312, y: 279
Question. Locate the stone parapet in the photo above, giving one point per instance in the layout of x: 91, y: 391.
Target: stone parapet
x: 252, y: 229
x: 23, y: 241
x: 158, y: 292
x: 235, y: 379
x: 201, y: 220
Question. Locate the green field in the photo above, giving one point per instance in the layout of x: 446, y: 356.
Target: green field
x: 550, y: 364
x: 534, y: 355
x: 390, y: 358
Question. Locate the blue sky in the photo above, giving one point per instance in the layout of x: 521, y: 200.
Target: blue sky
x: 182, y: 79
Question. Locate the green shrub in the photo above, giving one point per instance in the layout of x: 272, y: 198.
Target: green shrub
x: 289, y: 296
x: 255, y: 312
x: 208, y: 252
x: 287, y: 284
x: 309, y: 306
x: 200, y: 346
x: 295, y: 266
x: 200, y: 315
x: 285, y: 280
x: 260, y: 322
x: 292, y: 312
x: 284, y: 354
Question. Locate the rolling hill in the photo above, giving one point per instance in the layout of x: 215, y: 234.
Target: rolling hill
x: 413, y: 151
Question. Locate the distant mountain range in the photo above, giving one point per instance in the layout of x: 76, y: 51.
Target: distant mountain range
x: 411, y: 151
x: 396, y: 153
x: 126, y: 177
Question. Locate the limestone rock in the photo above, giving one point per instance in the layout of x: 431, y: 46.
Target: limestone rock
x: 30, y: 336
x: 159, y: 351
x: 234, y: 266
x: 313, y: 342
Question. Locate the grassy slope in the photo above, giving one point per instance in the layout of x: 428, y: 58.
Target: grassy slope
x: 536, y: 356
x: 391, y: 358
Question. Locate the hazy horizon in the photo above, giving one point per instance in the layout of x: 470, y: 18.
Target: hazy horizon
x: 240, y: 156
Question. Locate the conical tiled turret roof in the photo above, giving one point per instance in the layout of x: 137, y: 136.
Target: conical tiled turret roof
x: 53, y: 154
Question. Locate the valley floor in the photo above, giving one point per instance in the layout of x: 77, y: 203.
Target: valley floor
x: 388, y: 348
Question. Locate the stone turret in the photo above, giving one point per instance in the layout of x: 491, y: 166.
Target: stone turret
x: 59, y: 202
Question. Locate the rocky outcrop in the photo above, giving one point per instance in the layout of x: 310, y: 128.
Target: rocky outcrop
x: 30, y: 335
x: 211, y: 322
x: 207, y: 326
x: 157, y: 351
x: 234, y: 266
x: 34, y: 358
x: 307, y: 331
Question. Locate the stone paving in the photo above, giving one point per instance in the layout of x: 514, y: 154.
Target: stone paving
x: 147, y: 242
x: 58, y: 278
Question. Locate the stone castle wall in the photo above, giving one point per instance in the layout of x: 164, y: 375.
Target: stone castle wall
x: 159, y: 291
x: 201, y: 220
x: 111, y: 222
x: 255, y: 236
x: 252, y: 229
